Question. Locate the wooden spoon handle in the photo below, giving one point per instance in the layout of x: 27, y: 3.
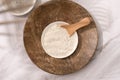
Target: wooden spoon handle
x: 74, y: 27
x: 82, y: 23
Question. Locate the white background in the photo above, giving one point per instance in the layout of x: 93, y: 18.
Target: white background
x: 16, y: 65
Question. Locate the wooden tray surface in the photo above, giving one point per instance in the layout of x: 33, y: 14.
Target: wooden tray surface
x: 59, y: 10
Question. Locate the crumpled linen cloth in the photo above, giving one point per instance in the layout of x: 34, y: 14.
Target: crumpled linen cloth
x: 16, y: 65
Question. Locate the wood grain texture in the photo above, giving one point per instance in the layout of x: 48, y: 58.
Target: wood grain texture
x: 59, y: 10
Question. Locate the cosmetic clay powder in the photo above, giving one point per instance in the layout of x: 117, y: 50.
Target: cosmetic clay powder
x: 56, y: 41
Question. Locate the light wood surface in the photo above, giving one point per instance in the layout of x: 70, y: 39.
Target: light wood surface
x: 78, y: 25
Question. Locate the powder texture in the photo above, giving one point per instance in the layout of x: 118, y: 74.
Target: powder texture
x: 20, y: 4
x: 57, y: 42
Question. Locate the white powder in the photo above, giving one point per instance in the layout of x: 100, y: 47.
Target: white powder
x: 21, y: 5
x: 57, y: 42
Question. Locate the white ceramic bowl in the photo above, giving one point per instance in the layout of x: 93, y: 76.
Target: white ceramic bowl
x: 16, y: 3
x: 59, y: 55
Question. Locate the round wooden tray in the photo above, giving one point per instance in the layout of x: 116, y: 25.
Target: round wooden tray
x: 59, y: 10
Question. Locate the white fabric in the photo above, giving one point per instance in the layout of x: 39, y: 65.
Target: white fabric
x: 16, y: 65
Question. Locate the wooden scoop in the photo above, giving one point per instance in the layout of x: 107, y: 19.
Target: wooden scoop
x: 74, y: 27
